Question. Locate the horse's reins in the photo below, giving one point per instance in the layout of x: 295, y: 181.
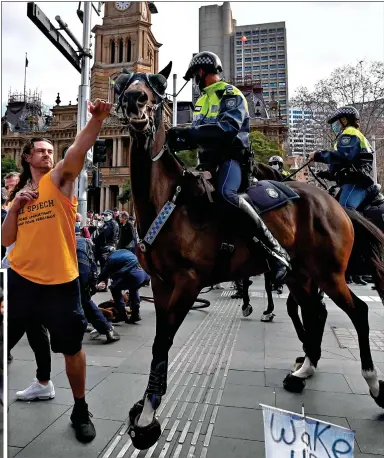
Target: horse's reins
x: 312, y: 173
x: 297, y: 171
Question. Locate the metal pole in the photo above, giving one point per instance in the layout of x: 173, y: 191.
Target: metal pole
x: 174, y: 117
x: 25, y: 77
x: 82, y: 107
x: 374, y: 165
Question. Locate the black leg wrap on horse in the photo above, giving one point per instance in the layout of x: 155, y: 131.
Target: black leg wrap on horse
x: 157, y: 384
x: 294, y: 384
x: 380, y: 398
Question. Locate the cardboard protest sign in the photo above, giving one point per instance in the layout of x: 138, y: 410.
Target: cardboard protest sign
x: 290, y: 435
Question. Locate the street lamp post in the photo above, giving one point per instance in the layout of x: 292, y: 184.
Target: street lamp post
x: 374, y: 165
x: 174, y: 113
x: 84, y: 93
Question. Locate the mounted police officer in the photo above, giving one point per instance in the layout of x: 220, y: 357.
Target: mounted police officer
x: 350, y: 164
x: 220, y: 129
x: 277, y: 163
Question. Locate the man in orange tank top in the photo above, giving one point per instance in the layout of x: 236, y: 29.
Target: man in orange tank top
x: 43, y: 284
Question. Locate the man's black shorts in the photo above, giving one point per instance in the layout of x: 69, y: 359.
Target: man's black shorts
x: 57, y: 307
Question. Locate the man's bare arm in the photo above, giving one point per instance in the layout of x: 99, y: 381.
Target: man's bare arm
x: 9, y: 226
x: 73, y: 162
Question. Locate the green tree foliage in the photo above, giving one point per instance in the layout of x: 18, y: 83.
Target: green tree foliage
x: 360, y: 85
x: 189, y: 157
x: 7, y: 165
x: 263, y: 147
x: 125, y: 196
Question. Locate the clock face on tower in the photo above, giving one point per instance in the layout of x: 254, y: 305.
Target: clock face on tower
x: 145, y: 12
x: 122, y: 6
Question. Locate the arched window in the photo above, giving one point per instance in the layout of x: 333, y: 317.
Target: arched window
x: 113, y: 51
x: 121, y: 50
x: 64, y: 152
x: 129, y: 50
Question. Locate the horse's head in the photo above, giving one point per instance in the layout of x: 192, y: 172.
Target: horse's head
x: 140, y: 97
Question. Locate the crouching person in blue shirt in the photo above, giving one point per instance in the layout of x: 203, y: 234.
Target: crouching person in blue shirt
x: 123, y: 268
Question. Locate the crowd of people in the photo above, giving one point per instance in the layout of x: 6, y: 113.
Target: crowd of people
x: 59, y: 261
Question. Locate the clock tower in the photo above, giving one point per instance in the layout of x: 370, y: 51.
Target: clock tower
x: 123, y: 40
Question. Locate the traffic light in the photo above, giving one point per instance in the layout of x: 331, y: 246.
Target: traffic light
x: 97, y: 178
x: 99, y: 151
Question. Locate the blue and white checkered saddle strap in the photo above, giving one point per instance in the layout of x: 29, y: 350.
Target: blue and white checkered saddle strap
x: 159, y: 222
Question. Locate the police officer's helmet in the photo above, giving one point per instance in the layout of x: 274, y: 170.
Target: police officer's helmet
x: 344, y: 112
x: 206, y: 60
x: 275, y: 159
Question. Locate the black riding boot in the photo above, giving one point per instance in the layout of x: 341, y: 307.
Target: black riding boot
x: 276, y: 252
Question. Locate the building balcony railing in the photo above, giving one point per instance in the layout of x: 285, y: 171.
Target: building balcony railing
x: 110, y: 171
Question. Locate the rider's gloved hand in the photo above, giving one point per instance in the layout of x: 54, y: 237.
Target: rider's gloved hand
x: 178, y: 138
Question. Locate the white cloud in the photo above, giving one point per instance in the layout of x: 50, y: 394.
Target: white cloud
x: 320, y: 36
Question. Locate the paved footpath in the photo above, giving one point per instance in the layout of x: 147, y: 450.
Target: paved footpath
x: 221, y: 367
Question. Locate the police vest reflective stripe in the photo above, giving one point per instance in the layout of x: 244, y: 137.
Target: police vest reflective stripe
x: 208, y: 105
x: 364, y: 143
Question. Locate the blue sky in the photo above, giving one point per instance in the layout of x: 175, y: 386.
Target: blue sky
x: 321, y: 36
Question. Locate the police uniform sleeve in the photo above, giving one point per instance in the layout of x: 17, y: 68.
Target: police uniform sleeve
x: 105, y: 272
x: 348, y: 150
x: 230, y: 118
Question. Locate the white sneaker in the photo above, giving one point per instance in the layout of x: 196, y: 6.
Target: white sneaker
x: 37, y: 391
x: 94, y: 334
x: 218, y: 286
x: 90, y: 328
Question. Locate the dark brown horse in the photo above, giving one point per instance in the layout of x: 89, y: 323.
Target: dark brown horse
x: 372, y: 214
x: 183, y: 258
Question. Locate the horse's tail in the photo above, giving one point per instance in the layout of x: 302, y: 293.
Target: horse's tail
x: 368, y: 250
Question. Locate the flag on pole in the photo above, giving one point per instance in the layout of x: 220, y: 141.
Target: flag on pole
x: 243, y: 39
x: 26, y: 61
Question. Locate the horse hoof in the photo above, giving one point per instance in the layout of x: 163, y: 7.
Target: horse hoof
x: 247, y: 311
x: 294, y: 384
x: 380, y: 398
x: 144, y: 437
x: 135, y: 411
x: 267, y: 317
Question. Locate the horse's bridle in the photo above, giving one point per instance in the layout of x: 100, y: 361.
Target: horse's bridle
x: 153, y: 118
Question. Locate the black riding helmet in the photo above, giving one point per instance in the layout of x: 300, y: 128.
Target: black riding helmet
x: 344, y: 112
x: 206, y: 60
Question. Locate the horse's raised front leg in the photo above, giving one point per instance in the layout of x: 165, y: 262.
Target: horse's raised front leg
x: 172, y: 305
x: 268, y: 314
